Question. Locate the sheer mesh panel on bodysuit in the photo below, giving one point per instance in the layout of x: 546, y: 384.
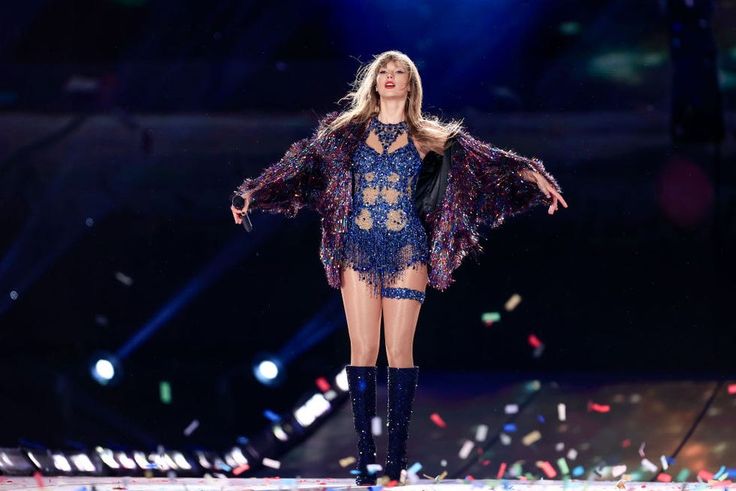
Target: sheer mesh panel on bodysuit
x: 385, y: 236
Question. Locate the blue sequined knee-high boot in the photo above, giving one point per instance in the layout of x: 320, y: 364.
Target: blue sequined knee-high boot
x: 402, y: 383
x: 362, y: 387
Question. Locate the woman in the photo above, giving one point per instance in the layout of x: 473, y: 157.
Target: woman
x: 401, y: 197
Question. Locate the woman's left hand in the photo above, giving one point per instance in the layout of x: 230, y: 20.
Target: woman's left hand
x: 548, y: 190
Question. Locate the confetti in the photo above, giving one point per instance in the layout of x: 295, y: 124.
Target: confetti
x: 481, y: 433
x: 641, y: 449
x: 273, y: 464
x: 648, y: 465
x: 561, y: 411
x: 732, y: 389
x: 322, y: 384
x: 562, y: 465
x: 437, y: 419
x: 682, y: 475
x: 501, y: 470
x: 618, y: 470
x: 124, y: 279
x: 663, y: 461
x: 272, y: 416
x: 547, y: 468
x: 240, y: 469
x: 510, y: 427
x: 192, y: 426
x: 376, y: 425
x: 559, y: 446
x: 488, y: 318
x: 164, y: 390
x: 572, y: 454
x: 531, y: 438
x: 346, y: 461
x: 512, y: 302
x: 534, y: 341
x: 599, y: 408
x: 505, y: 439
x: 621, y: 484
x: 465, y: 449
x: 511, y: 408
x: 39, y: 479
x: 663, y: 477
x: 416, y: 467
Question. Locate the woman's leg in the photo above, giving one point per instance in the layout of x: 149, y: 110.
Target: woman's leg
x: 400, y: 315
x: 363, y: 314
x: 401, y: 303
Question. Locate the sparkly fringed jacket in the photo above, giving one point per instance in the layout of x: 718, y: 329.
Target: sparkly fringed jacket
x: 484, y: 186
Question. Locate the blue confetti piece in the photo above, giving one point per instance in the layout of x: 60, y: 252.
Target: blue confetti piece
x: 578, y: 471
x: 720, y: 471
x: 242, y: 440
x: 509, y: 427
x: 272, y: 415
x: 415, y: 468
x: 540, y: 418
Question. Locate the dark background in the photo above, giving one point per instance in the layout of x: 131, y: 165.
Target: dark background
x: 126, y: 124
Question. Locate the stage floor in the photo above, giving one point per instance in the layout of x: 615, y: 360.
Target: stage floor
x: 10, y: 483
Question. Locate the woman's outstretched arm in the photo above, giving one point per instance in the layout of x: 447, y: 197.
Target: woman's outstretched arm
x: 503, y: 183
x: 293, y: 181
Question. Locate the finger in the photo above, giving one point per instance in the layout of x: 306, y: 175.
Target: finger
x: 562, y: 200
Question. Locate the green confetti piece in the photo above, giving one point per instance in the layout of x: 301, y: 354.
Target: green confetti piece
x: 164, y: 390
x: 682, y: 475
x: 490, y: 317
x: 562, y: 465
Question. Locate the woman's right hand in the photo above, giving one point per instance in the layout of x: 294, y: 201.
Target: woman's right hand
x: 238, y: 213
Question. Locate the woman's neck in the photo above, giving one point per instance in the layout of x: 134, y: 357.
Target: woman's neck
x: 391, y: 111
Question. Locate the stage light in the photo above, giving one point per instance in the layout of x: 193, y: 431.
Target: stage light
x: 105, y: 369
x: 315, y: 407
x: 235, y: 457
x: 82, y: 463
x: 125, y: 461
x: 268, y: 370
x: 107, y: 457
x: 14, y: 463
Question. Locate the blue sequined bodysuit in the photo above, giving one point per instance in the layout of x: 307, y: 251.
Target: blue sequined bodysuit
x: 385, y: 235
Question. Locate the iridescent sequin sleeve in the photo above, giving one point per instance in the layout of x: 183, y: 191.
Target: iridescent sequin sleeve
x: 503, y: 181
x: 294, y: 181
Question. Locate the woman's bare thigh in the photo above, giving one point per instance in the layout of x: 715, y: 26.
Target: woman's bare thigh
x: 400, y: 317
x: 363, y: 314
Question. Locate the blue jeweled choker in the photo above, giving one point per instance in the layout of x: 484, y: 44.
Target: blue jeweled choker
x: 387, y: 132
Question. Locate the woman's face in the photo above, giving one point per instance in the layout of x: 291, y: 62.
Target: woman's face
x: 392, y: 81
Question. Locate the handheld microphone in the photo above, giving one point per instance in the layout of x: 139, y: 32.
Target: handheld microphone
x: 239, y: 202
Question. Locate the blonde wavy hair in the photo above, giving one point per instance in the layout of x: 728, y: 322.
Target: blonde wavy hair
x: 364, y: 101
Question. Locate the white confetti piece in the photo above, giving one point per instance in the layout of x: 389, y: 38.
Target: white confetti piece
x: 572, y: 454
x: 376, y: 426
x: 481, y: 433
x: 465, y: 449
x: 192, y: 426
x: 123, y: 278
x: 561, y: 411
x: 505, y: 439
x: 618, y: 470
x: 663, y: 460
x: 648, y: 465
x: 511, y: 408
x: 559, y: 446
x: 273, y: 464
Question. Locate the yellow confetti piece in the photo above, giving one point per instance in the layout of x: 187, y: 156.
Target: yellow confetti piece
x: 512, y: 302
x: 531, y: 438
x: 346, y: 461
x: 621, y: 484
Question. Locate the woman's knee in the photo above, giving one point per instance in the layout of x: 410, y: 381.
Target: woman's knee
x: 364, y: 354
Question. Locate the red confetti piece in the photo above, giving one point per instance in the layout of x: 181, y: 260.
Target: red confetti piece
x: 705, y: 475
x: 626, y: 443
x: 732, y: 388
x: 599, y: 408
x: 323, y: 384
x: 501, y: 470
x: 437, y: 419
x: 39, y: 479
x: 485, y: 463
x: 663, y: 477
x: 534, y: 341
x: 547, y: 468
x: 240, y: 469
